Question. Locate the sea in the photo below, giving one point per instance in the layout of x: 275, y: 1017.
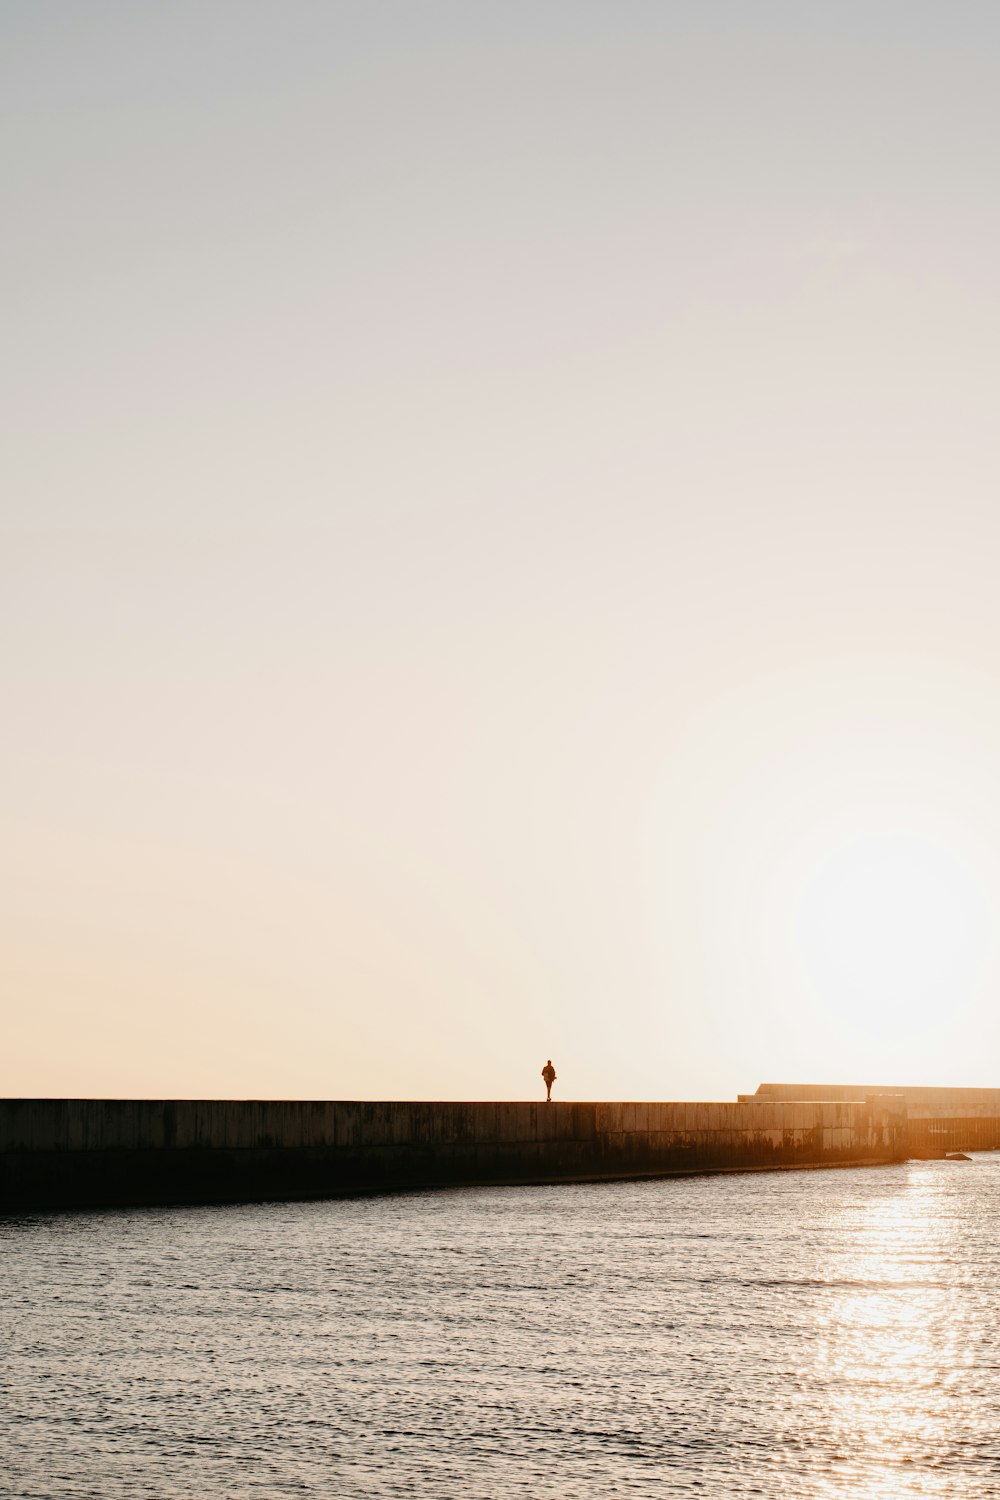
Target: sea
x: 802, y: 1333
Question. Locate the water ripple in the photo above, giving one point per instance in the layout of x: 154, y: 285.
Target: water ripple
x: 814, y: 1335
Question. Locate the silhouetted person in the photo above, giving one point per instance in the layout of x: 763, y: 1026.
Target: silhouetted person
x: 549, y: 1074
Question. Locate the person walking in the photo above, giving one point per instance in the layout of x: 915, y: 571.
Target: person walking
x: 549, y: 1074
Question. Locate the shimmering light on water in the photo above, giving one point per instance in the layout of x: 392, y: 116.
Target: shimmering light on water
x: 810, y: 1334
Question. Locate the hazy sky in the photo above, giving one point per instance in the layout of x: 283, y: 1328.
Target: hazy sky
x: 500, y: 546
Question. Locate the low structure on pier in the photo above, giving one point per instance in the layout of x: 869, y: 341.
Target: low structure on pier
x: 937, y: 1119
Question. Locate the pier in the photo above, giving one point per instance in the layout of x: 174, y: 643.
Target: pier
x: 61, y: 1153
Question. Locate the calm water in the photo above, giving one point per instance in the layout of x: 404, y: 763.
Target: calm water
x: 803, y: 1334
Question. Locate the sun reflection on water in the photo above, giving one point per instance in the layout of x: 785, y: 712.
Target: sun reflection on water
x: 794, y: 1336
x: 894, y: 1342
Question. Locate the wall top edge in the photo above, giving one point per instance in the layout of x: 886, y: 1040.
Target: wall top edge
x: 430, y: 1103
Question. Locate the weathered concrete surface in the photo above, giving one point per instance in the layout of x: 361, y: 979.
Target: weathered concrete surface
x: 945, y: 1098
x: 932, y: 1130
x: 938, y: 1119
x: 79, y: 1152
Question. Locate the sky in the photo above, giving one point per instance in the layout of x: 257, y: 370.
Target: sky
x: 498, y: 547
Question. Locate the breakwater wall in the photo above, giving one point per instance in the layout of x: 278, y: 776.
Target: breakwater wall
x: 938, y: 1098
x: 938, y: 1119
x: 85, y: 1152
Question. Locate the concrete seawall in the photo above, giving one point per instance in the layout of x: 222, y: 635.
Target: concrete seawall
x: 931, y: 1098
x: 938, y: 1119
x: 82, y: 1152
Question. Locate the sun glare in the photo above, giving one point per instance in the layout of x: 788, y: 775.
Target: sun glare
x: 832, y: 878
x: 892, y: 930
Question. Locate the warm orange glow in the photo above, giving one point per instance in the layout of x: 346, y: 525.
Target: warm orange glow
x: 498, y: 551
